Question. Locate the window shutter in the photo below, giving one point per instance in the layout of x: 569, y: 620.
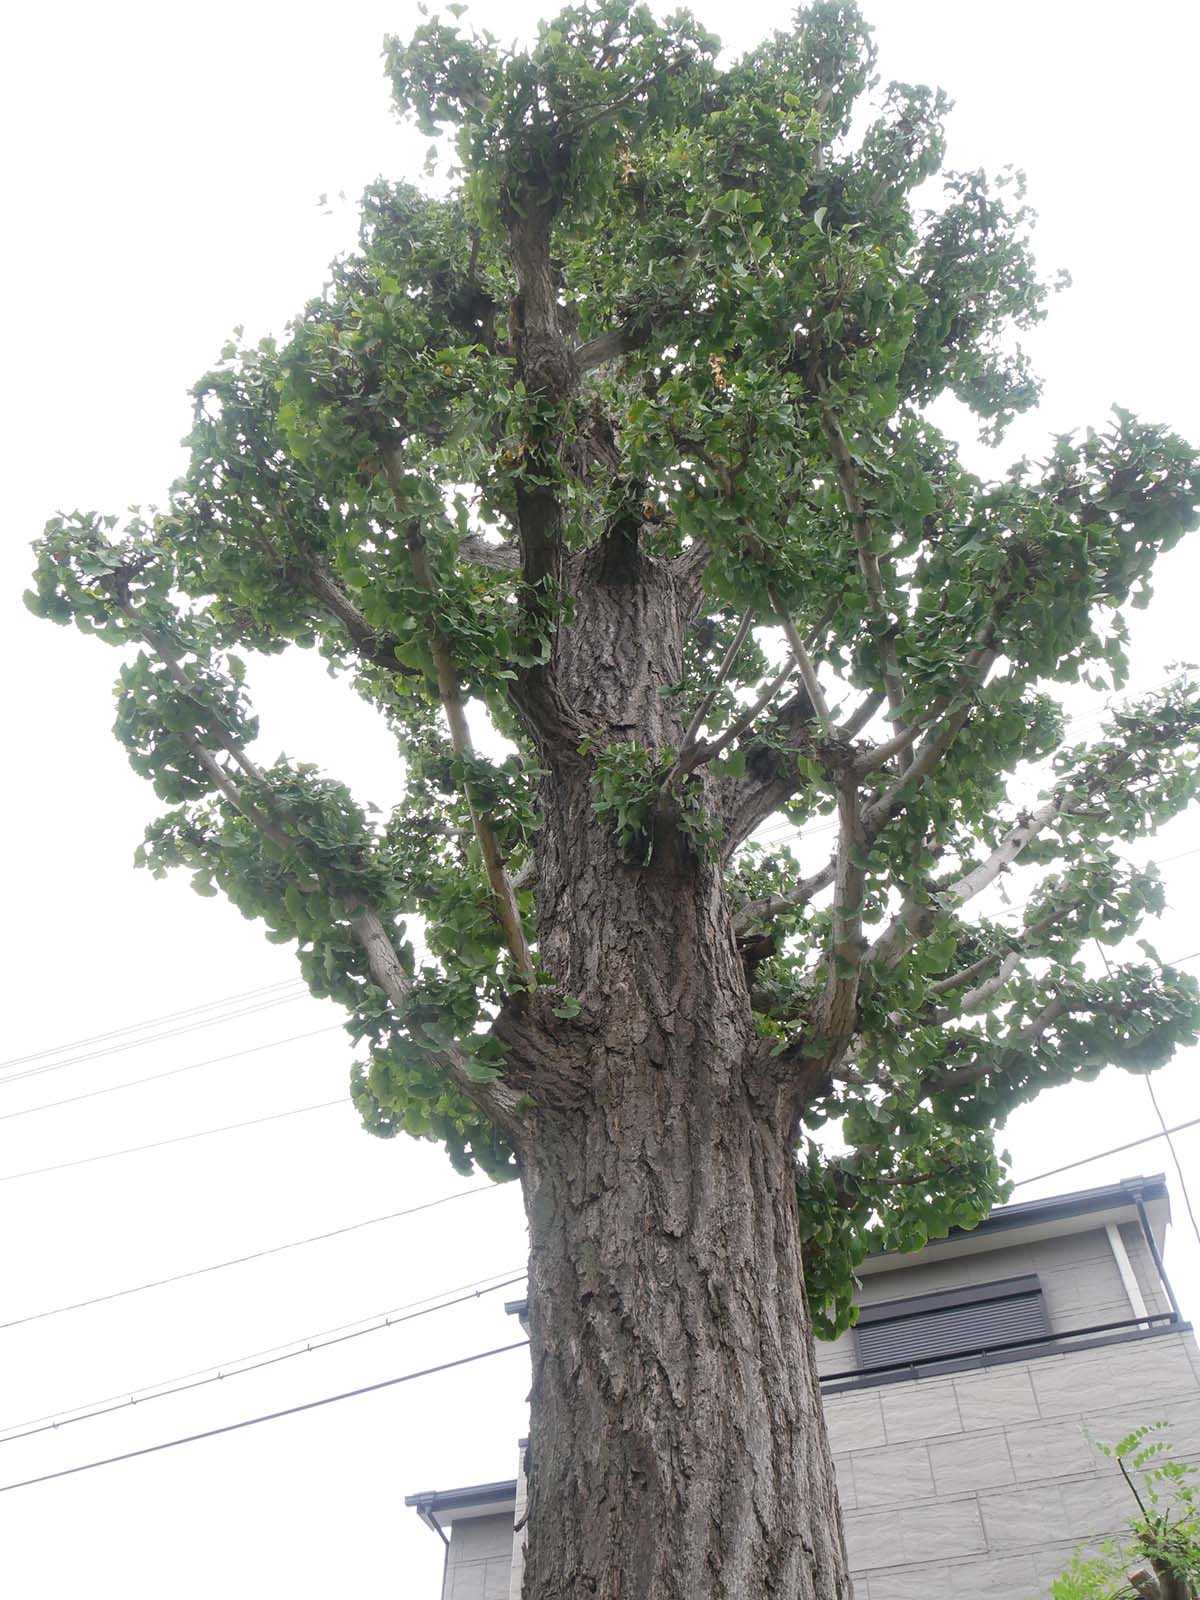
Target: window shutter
x: 958, y: 1322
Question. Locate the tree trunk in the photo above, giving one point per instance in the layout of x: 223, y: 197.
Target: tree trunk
x: 677, y: 1446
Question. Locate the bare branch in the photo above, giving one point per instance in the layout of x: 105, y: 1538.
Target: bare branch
x: 507, y: 910
x: 978, y: 998
x: 1008, y: 957
x: 956, y: 980
x: 868, y: 561
x: 836, y: 1014
x: 964, y: 1077
x: 938, y: 741
x: 911, y: 921
x: 693, y: 729
x: 526, y: 875
x: 772, y: 773
x: 808, y: 708
x: 858, y: 719
x: 915, y: 918
x: 871, y: 760
x: 386, y: 966
x: 808, y: 673
x: 636, y: 331
x: 372, y: 646
x: 709, y: 749
x: 890, y: 946
x: 1006, y: 852
x: 484, y: 553
x: 758, y: 910
x: 622, y: 340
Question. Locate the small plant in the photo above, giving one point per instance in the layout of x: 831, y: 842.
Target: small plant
x: 1159, y: 1557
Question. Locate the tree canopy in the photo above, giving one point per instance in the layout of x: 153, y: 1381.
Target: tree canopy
x: 655, y: 307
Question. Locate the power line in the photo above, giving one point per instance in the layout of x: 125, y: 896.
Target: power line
x: 248, y: 1363
x: 182, y: 1138
x: 312, y: 1033
x: 407, y: 1377
x: 1162, y: 1121
x: 1116, y: 1149
x: 1166, y: 1133
x: 253, y: 1122
x: 275, y: 1354
x: 150, y: 1022
x: 154, y: 1038
x: 270, y: 1416
x: 238, y: 1261
x: 154, y: 1077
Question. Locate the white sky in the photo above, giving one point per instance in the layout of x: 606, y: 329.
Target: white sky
x: 163, y: 169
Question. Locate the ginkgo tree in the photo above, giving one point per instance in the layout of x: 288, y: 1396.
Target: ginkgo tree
x: 606, y: 472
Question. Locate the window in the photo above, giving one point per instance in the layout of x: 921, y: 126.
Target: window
x: 955, y: 1322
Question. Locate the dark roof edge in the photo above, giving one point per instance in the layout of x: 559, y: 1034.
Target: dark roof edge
x: 476, y: 1494
x: 1060, y: 1207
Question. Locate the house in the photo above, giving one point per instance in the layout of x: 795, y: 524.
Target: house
x: 963, y: 1406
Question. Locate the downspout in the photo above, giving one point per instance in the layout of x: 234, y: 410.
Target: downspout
x: 427, y: 1517
x: 437, y: 1528
x: 1148, y: 1232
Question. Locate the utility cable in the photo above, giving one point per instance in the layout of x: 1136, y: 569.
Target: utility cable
x: 269, y: 1416
x: 173, y: 1072
x: 386, y: 1383
x: 1166, y: 1134
x: 334, y: 1027
x: 1162, y: 1121
x: 1099, y: 1155
x: 249, y: 1363
x: 254, y: 1255
x: 150, y: 1022
x: 254, y: 1122
x: 182, y: 1138
x: 275, y: 1354
x: 155, y: 1038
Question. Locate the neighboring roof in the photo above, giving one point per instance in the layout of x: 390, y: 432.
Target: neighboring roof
x: 1058, y: 1213
x: 1081, y: 1203
x: 456, y: 1505
x: 1028, y: 1220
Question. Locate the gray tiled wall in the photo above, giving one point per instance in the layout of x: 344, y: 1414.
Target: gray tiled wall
x: 522, y: 1507
x: 1079, y: 1277
x: 479, y: 1560
x: 982, y: 1484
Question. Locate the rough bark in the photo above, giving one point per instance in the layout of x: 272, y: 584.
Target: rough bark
x: 678, y: 1449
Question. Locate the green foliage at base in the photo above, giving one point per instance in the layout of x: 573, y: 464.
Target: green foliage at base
x: 1159, y: 1557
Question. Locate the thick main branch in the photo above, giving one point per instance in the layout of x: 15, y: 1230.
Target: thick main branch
x: 868, y: 561
x: 505, y: 899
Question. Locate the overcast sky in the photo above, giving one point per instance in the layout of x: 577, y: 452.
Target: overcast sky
x: 163, y: 169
